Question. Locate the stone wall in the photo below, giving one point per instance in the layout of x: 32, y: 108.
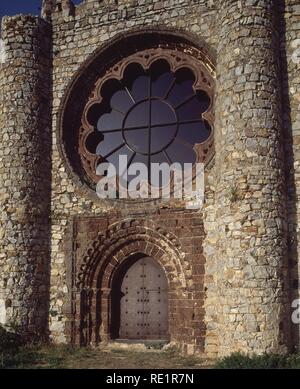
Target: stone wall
x: 25, y: 172
x: 234, y: 252
x: 78, y: 36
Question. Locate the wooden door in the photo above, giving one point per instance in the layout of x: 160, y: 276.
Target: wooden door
x: 144, y: 305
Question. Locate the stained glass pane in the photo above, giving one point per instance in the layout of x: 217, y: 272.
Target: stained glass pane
x: 161, y: 137
x: 121, y: 101
x: 182, y: 152
x: 140, y: 88
x: 161, y: 85
x: 194, y: 133
x: 137, y: 140
x: 162, y: 113
x: 138, y: 116
x: 110, y: 121
x: 109, y: 143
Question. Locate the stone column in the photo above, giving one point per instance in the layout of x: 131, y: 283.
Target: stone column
x: 249, y: 200
x: 25, y: 172
x: 48, y: 7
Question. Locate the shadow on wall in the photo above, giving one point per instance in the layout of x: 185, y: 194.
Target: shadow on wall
x: 44, y: 123
x: 39, y: 195
x: 291, y: 184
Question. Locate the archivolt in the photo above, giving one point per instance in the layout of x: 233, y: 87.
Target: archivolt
x: 124, y: 239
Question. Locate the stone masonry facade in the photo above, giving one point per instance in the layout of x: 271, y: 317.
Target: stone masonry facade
x: 232, y: 266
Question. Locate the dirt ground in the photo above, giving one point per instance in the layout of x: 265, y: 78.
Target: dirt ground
x: 112, y: 357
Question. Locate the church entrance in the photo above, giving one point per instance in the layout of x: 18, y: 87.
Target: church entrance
x: 140, y: 302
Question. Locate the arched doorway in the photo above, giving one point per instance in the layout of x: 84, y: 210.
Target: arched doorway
x: 140, y: 301
x: 97, y: 313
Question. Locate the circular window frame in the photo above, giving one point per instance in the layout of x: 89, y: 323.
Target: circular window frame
x: 146, y: 58
x: 110, y: 52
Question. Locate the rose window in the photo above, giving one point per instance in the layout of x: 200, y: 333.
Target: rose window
x: 153, y: 107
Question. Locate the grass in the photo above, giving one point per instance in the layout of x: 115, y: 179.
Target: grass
x: 15, y: 353
x: 265, y: 361
x: 68, y: 357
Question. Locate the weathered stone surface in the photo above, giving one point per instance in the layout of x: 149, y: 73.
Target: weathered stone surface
x: 228, y: 265
x: 25, y: 171
x: 249, y: 208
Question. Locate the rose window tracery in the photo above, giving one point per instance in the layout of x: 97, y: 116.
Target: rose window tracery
x: 153, y: 106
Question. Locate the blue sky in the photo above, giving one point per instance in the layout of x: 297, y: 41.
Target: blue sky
x: 14, y: 7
